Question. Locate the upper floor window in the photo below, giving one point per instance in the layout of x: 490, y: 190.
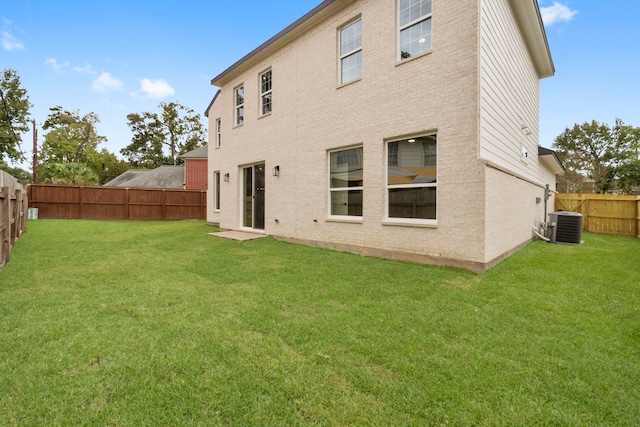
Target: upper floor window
x: 239, y: 103
x: 218, y: 133
x: 415, y: 27
x: 346, y: 182
x: 265, y: 92
x: 351, y: 52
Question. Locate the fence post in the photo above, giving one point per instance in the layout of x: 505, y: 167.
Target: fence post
x: 638, y: 217
x: 164, y: 204
x: 127, y: 199
x: 585, y: 210
x: 5, y: 217
x: 203, y: 203
x: 15, y: 216
x: 81, y: 202
x: 25, y: 210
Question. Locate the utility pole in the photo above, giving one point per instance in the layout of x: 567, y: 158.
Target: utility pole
x: 35, y: 152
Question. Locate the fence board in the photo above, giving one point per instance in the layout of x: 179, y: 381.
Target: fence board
x: 116, y: 203
x: 604, y: 213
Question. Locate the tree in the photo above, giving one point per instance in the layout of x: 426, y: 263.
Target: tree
x: 21, y: 175
x: 14, y: 115
x: 70, y: 137
x: 598, y: 152
x: 159, y: 139
x: 629, y: 176
x: 106, y: 165
x: 73, y: 139
x: 68, y: 174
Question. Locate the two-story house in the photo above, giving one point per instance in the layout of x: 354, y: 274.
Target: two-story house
x: 405, y: 129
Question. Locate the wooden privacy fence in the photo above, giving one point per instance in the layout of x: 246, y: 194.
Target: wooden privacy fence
x: 604, y: 213
x: 13, y: 208
x: 115, y: 203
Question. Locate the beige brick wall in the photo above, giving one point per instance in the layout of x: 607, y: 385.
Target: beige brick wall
x: 511, y: 212
x: 437, y: 92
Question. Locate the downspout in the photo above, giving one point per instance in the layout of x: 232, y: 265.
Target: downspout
x: 547, y: 195
x: 543, y: 224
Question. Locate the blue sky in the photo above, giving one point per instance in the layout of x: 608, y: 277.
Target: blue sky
x: 116, y: 57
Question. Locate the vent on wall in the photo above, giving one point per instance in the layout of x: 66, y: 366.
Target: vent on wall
x: 565, y: 227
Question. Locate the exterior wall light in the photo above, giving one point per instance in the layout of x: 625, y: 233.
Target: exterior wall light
x: 276, y: 171
x: 226, y: 177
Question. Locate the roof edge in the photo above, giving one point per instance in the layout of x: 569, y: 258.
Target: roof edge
x: 206, y: 112
x: 551, y: 160
x: 532, y: 27
x: 216, y: 81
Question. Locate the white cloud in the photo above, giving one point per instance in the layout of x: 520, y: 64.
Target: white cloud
x: 156, y: 89
x: 106, y: 82
x: 55, y: 64
x: 86, y: 69
x: 10, y: 43
x: 557, y: 13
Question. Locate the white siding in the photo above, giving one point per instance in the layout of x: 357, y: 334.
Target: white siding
x: 509, y: 93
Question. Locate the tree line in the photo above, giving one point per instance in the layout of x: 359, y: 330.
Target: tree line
x: 71, y: 152
x: 599, y: 158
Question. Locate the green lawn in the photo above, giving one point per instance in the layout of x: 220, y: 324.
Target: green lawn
x: 159, y: 324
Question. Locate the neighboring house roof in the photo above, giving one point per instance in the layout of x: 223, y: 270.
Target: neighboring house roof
x: 198, y: 153
x: 527, y: 13
x: 550, y: 160
x: 121, y: 180
x: 161, y: 177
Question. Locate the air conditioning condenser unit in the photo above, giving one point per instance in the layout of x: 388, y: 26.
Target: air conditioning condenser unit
x: 565, y: 227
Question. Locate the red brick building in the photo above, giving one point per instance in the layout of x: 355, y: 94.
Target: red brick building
x: 195, y: 169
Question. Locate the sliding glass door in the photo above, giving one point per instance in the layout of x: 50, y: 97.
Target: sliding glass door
x: 253, y: 197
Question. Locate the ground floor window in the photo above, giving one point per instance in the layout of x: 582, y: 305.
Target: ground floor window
x: 412, y: 179
x: 346, y: 182
x: 216, y: 186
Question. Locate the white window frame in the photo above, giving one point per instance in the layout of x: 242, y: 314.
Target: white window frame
x: 239, y: 106
x: 388, y: 187
x: 218, y: 133
x: 343, y: 56
x: 264, y: 93
x: 216, y: 191
x: 355, y: 218
x: 418, y: 21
